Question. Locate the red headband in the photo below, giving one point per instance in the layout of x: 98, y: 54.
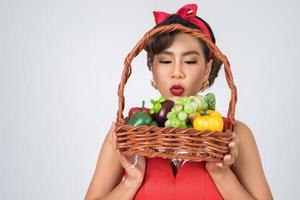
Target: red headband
x: 187, y: 12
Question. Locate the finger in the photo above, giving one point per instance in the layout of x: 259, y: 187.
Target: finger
x: 128, y: 161
x: 220, y: 164
x: 236, y: 138
x: 228, y: 159
x: 135, y: 161
x: 233, y: 149
x: 231, y: 146
x: 126, y: 164
x: 233, y: 134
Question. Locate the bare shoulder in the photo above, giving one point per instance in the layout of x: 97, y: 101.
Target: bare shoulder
x: 247, y: 147
x: 243, y: 130
x: 245, y: 137
x: 248, y: 166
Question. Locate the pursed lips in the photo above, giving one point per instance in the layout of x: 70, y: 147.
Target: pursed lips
x: 177, y: 90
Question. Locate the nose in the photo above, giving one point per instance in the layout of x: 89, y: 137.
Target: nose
x: 177, y: 76
x: 177, y: 73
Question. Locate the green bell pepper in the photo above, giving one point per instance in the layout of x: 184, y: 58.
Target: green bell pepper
x: 140, y: 118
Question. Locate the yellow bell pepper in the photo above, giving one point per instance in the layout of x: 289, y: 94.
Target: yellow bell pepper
x: 213, y: 121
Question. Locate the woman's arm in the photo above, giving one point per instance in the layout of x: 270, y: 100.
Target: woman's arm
x: 246, y: 180
x: 107, y: 180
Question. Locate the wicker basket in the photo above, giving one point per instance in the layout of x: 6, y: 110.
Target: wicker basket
x: 168, y: 142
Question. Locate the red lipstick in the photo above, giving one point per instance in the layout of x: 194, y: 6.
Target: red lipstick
x: 177, y: 90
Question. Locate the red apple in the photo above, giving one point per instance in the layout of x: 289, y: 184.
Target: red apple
x: 133, y: 110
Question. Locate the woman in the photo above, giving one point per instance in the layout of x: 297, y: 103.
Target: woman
x: 181, y: 66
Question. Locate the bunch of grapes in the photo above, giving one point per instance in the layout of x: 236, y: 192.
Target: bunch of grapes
x: 185, y: 109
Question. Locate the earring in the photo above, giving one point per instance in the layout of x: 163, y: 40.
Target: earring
x: 153, y: 84
x: 204, y: 86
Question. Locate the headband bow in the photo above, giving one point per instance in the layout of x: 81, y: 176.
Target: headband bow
x: 187, y: 12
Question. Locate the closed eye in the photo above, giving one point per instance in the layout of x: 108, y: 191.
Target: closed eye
x: 165, y: 61
x: 191, y: 62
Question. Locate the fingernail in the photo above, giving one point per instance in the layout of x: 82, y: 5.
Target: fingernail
x: 227, y: 157
x: 220, y: 164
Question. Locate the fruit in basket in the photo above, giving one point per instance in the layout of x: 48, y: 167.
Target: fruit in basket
x: 161, y: 116
x: 210, y: 99
x: 156, y: 105
x: 184, y: 109
x: 209, y: 120
x: 192, y: 116
x: 133, y: 110
x: 160, y: 109
x: 140, y: 118
x: 187, y: 109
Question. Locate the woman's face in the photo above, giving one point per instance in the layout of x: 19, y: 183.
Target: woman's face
x: 181, y: 69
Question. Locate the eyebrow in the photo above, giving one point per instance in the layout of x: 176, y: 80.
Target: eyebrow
x: 184, y: 54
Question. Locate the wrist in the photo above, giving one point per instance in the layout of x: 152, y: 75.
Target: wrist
x: 219, y: 175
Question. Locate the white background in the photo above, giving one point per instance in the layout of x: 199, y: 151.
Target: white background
x: 61, y: 63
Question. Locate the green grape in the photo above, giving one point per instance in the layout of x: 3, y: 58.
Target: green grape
x: 182, y: 124
x: 194, y: 105
x: 182, y: 115
x: 199, y: 101
x: 180, y: 100
x: 171, y: 115
x: 186, y: 101
x: 188, y: 108
x: 192, y: 97
x: 168, y: 123
x: 177, y: 107
x: 194, y: 110
x: 173, y: 110
x: 175, y: 123
x: 205, y: 106
x: 201, y: 98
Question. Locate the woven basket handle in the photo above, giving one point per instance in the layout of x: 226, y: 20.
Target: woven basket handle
x: 194, y: 32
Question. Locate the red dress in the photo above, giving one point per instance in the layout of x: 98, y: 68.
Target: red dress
x: 192, y: 181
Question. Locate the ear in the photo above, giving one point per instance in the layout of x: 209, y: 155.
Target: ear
x: 208, y: 66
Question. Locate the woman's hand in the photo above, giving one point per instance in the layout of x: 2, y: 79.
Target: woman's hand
x: 220, y: 167
x: 134, y: 165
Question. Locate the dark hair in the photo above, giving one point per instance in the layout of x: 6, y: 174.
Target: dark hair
x: 162, y: 41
